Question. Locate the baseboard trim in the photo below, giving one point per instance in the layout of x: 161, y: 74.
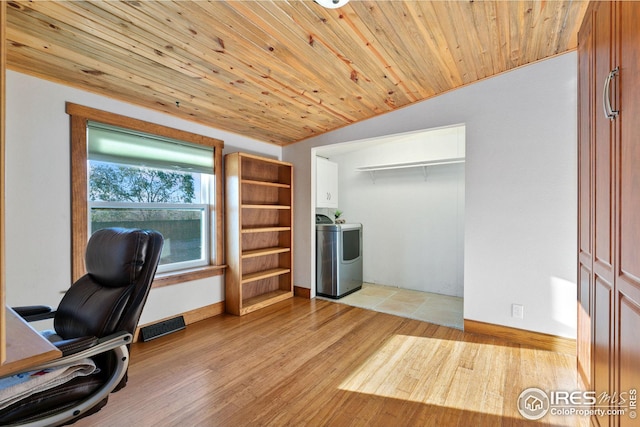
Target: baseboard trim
x: 299, y: 291
x: 190, y: 317
x: 520, y: 336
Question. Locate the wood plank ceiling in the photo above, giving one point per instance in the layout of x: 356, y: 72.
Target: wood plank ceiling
x: 281, y: 71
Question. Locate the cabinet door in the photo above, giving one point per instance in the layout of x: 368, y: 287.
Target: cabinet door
x: 603, y: 216
x: 585, y: 197
x: 627, y: 346
x: 326, y: 183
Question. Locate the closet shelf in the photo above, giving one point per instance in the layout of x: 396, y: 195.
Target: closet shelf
x: 408, y: 165
x: 411, y: 164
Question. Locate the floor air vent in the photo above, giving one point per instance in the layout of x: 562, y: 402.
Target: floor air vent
x: 162, y: 328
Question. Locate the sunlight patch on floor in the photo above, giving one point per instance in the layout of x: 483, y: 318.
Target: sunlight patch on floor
x: 398, y: 370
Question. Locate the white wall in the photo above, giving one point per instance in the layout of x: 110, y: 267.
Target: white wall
x: 520, y: 209
x: 38, y: 213
x: 413, y: 226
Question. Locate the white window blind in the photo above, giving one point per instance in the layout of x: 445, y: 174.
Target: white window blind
x: 116, y: 145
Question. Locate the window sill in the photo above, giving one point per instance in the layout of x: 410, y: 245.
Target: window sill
x: 175, y: 277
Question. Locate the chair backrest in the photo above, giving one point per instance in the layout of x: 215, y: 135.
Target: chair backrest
x: 121, y: 264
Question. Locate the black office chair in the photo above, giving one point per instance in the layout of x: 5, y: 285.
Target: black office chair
x: 96, y: 318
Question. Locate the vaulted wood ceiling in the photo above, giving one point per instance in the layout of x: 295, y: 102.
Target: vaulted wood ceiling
x: 281, y: 71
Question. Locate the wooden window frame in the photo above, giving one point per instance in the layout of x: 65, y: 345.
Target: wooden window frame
x: 80, y: 116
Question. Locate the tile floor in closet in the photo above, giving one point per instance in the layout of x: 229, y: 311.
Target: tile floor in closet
x: 434, y: 308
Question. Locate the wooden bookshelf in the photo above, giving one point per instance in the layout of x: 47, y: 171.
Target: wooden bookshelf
x: 259, y: 235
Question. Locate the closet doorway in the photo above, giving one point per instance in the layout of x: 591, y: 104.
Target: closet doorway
x: 408, y: 191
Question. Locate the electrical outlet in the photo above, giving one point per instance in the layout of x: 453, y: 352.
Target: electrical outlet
x: 517, y: 311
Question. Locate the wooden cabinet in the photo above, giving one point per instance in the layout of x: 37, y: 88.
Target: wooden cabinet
x: 609, y: 201
x: 259, y: 235
x: 326, y: 183
x: 595, y: 201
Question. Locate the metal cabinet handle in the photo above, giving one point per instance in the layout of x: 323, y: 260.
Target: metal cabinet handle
x: 609, y: 112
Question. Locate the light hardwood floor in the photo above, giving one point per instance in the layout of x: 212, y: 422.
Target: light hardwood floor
x: 318, y: 363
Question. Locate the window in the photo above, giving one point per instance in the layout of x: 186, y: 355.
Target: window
x: 138, y: 180
x: 130, y: 173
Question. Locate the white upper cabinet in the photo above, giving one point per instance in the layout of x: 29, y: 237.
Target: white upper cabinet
x: 326, y: 183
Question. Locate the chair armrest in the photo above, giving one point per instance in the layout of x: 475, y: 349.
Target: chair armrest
x: 32, y: 313
x: 81, y: 344
x: 75, y: 345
